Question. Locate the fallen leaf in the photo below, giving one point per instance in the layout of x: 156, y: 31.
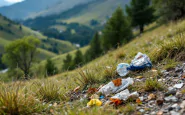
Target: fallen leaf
x: 117, y: 82
x: 76, y: 89
x: 116, y: 101
x: 92, y: 90
x: 151, y: 96
x: 139, y: 77
x: 138, y: 101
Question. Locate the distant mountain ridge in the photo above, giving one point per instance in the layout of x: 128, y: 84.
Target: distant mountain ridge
x: 49, y: 47
x: 32, y: 8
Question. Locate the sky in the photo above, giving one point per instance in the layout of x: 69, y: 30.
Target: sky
x: 8, y: 2
x: 13, y: 1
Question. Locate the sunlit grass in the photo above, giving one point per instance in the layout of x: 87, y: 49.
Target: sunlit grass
x: 100, y: 71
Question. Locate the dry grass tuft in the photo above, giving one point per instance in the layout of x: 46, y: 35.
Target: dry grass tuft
x: 171, y: 49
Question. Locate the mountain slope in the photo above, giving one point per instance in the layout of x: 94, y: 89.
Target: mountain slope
x: 34, y: 8
x: 10, y: 31
x: 73, y: 89
x: 100, y: 10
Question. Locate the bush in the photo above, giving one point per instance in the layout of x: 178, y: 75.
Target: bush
x: 50, y: 68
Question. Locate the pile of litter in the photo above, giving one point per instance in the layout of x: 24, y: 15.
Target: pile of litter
x: 141, y: 61
x: 116, y: 92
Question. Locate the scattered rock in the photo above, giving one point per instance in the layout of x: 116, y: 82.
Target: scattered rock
x: 178, y: 86
x: 171, y: 99
x: 177, y: 69
x: 171, y: 92
x: 160, y: 113
x: 182, y: 105
x: 170, y: 108
x: 142, y: 110
x: 174, y: 113
x: 175, y: 105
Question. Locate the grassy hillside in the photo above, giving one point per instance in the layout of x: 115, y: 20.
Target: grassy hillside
x: 100, y: 10
x: 158, y: 42
x: 30, y: 8
x: 10, y: 31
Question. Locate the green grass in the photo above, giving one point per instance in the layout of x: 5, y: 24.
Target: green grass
x: 99, y: 10
x: 65, y: 82
x: 153, y: 85
x: 6, y: 37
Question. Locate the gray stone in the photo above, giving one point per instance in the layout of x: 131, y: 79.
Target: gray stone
x: 174, y: 113
x: 178, y: 86
x: 142, y: 110
x: 178, y: 69
x: 171, y: 99
x: 171, y: 92
x: 175, y: 105
x: 153, y: 113
x: 178, y: 108
x: 182, y: 105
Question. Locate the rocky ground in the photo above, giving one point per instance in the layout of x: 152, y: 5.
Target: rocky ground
x: 170, y: 101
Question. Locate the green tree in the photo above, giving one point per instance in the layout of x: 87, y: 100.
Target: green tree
x: 67, y: 63
x: 116, y: 31
x: 140, y: 13
x: 78, y: 60
x: 95, y: 48
x: 169, y: 10
x: 20, y: 28
x: 21, y: 53
x: 50, y: 68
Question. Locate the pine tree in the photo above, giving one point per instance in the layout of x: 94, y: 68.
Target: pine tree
x: 50, y: 68
x: 169, y: 10
x: 117, y: 30
x: 78, y: 60
x: 95, y: 48
x: 67, y: 63
x: 20, y: 28
x: 140, y: 13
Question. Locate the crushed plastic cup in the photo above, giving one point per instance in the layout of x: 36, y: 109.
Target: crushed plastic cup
x: 122, y: 69
x: 124, y: 95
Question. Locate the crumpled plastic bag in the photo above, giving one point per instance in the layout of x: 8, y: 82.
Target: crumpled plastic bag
x: 124, y: 95
x: 140, y: 62
x: 96, y: 102
x: 111, y: 88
